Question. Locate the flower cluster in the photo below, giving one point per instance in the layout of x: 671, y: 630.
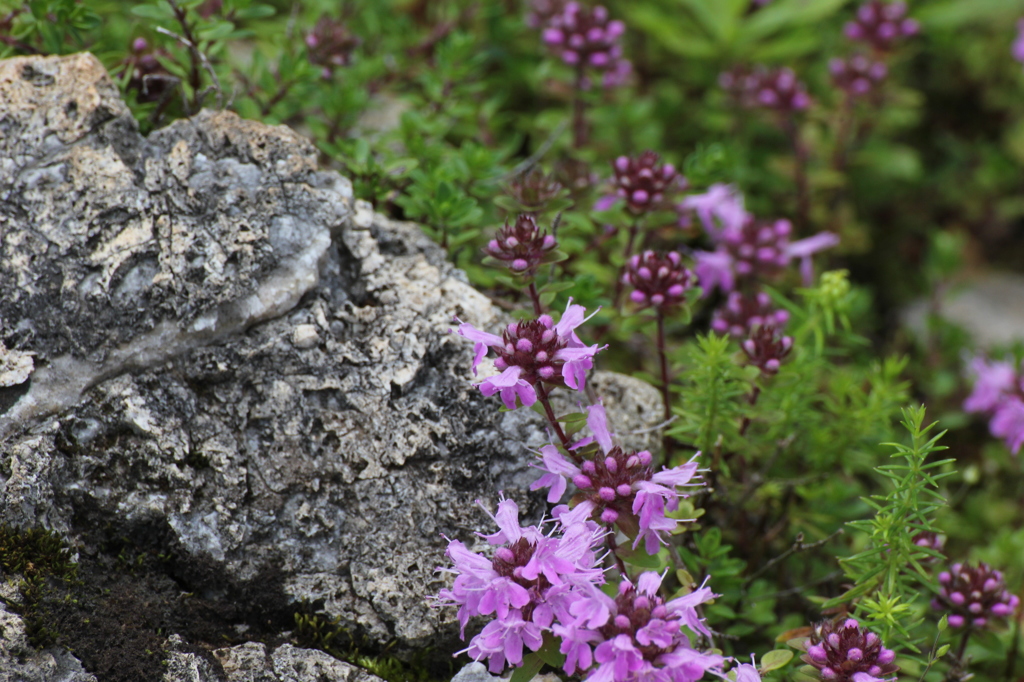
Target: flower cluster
x: 747, y: 252
x: 658, y: 280
x: 743, y: 314
x: 588, y: 39
x: 746, y: 249
x: 766, y: 349
x: 534, y: 579
x: 757, y: 248
x: 763, y: 88
x: 522, y: 246
x: 535, y: 190
x: 645, y: 182
x: 542, y: 11
x: 881, y: 24
x: 637, y: 635
x: 845, y: 652
x: 330, y: 45
x: 974, y: 595
x: 617, y: 486
x: 533, y: 352
x: 999, y: 394
x: 857, y: 75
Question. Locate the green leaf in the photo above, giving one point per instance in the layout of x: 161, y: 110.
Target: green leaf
x: 639, y: 557
x: 773, y: 660
x: 256, y: 12
x: 532, y: 663
x: 783, y: 14
x: 158, y: 12
x: 548, y: 652
x: 957, y: 14
x: 216, y: 31
x: 557, y: 286
x: 943, y: 650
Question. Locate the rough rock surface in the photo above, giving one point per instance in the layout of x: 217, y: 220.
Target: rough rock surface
x: 244, y: 401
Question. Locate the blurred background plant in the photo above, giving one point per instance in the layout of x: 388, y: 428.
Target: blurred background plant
x: 906, y: 143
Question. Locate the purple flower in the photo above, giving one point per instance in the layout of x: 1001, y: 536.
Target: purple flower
x: 1008, y: 423
x: 541, y: 12
x: 747, y: 672
x: 1018, y: 44
x: 719, y: 209
x: 766, y: 350
x: 522, y: 246
x: 743, y: 313
x: 588, y: 39
x: 857, y: 75
x: 844, y: 652
x: 533, y: 579
x: 645, y: 183
x: 616, y: 486
x: 759, y: 249
x: 762, y: 88
x: 881, y: 24
x: 658, y: 280
x: 805, y: 248
x: 534, y: 351
x: 638, y: 635
x: 974, y: 595
x: 993, y: 382
x: 714, y: 269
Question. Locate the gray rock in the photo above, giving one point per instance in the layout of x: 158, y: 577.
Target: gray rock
x: 184, y: 666
x: 292, y: 664
x: 475, y: 672
x: 19, y: 663
x: 989, y: 306
x: 241, y: 370
x: 247, y: 662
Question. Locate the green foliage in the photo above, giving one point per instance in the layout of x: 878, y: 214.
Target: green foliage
x: 35, y: 554
x: 888, y: 575
x: 41, y: 563
x: 436, y: 107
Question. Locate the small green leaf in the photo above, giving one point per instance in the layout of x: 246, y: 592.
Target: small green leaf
x: 944, y: 623
x: 159, y: 12
x: 773, y: 660
x: 943, y: 650
x: 549, y: 651
x: 256, y: 12
x: 532, y: 664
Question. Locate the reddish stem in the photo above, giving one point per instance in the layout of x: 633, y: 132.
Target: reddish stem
x: 634, y: 229
x: 535, y: 297
x: 803, y: 196
x: 542, y: 395
x: 579, y: 121
x: 666, y: 394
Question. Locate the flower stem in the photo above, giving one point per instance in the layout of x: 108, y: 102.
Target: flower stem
x: 803, y: 196
x: 666, y: 393
x: 579, y: 121
x: 634, y: 229
x: 535, y: 297
x: 542, y: 395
